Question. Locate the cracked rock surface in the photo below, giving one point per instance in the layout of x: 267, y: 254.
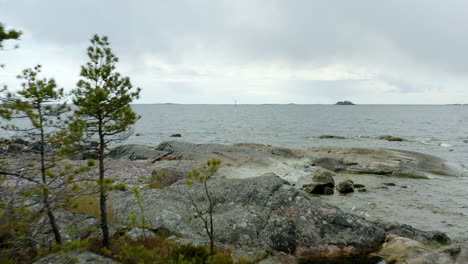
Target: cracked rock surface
x: 262, y: 212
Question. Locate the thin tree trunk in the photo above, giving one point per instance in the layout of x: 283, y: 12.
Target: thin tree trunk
x: 210, y: 212
x: 102, y: 192
x: 45, y: 194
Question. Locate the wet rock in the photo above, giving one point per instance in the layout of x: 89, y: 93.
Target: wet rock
x: 408, y: 231
x: 389, y: 184
x: 321, y: 179
x: 358, y: 186
x: 404, y: 250
x: 75, y: 257
x: 331, y: 137
x: 391, y: 138
x: 362, y: 190
x: 379, y: 161
x: 138, y: 135
x: 346, y: 186
x: 328, y: 191
x: 176, y: 135
x: 261, y: 212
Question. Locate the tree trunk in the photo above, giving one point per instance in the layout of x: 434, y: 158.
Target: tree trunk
x: 210, y: 212
x: 102, y: 192
x: 45, y: 192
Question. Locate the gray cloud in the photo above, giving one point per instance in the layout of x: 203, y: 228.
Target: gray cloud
x: 404, y: 51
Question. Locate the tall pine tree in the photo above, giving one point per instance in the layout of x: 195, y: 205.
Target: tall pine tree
x: 104, y: 113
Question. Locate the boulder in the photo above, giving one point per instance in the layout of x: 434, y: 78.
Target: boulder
x: 346, y: 186
x: 262, y: 212
x: 321, y: 179
x: 328, y: 191
x: 404, y: 250
x: 403, y: 230
x: 176, y: 135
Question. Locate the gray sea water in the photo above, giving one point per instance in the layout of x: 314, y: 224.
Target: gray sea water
x: 438, y: 130
x: 440, y: 203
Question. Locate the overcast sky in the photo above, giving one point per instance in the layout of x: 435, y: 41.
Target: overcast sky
x: 290, y: 51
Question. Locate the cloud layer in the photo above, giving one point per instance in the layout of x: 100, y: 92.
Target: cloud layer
x: 255, y: 51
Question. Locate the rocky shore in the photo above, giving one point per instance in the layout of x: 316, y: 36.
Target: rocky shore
x: 271, y: 203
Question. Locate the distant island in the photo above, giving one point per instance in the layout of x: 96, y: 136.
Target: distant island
x: 344, y: 103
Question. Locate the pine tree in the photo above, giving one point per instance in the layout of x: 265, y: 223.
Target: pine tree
x: 7, y: 34
x: 104, y: 113
x: 41, y: 103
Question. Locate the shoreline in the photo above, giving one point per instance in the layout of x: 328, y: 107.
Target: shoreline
x: 383, y: 172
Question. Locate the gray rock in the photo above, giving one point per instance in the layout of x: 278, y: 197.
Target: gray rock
x: 262, y: 212
x: 346, y: 186
x: 354, y: 160
x: 321, y: 180
x: 328, y: 191
x: 402, y: 230
x: 391, y: 138
x: 405, y: 250
x: 331, y: 137
x: 165, y: 176
x: 20, y: 141
x: 135, y: 152
x: 15, y: 148
x: 176, y: 135
x: 72, y: 226
x: 76, y: 258
x: 279, y: 258
x: 89, y: 155
x: 379, y: 161
x: 136, y: 233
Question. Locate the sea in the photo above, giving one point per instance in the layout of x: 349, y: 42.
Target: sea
x: 440, y: 130
x: 440, y: 203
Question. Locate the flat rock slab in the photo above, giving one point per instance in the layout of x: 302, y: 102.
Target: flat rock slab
x: 259, y: 159
x: 378, y: 161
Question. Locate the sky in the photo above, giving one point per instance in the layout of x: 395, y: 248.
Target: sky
x: 253, y: 51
